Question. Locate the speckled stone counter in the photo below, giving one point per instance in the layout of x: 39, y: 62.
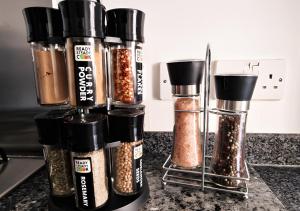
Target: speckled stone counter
x: 32, y: 195
x: 282, y: 149
x: 284, y: 182
x: 179, y: 198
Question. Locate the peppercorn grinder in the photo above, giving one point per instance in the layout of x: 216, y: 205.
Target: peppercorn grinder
x: 233, y: 93
x: 185, y: 78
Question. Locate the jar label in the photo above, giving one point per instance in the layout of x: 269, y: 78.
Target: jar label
x: 84, y: 73
x: 138, y: 167
x: 139, y: 73
x: 84, y: 183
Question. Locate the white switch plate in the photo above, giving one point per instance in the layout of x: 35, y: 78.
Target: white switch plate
x: 271, y: 75
x: 165, y: 92
x: 269, y: 86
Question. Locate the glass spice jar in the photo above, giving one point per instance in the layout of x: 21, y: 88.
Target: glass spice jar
x: 47, y: 45
x: 56, y: 154
x: 87, y: 134
x: 126, y: 55
x: 185, y: 77
x: 126, y: 128
x: 233, y: 93
x: 84, y: 32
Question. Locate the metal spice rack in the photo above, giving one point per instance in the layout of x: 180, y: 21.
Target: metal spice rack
x: 201, y: 178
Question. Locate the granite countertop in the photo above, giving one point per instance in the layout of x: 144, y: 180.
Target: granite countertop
x: 33, y: 194
x: 284, y: 182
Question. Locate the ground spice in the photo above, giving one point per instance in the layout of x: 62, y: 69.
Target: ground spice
x: 99, y: 178
x: 228, y: 154
x: 124, y: 167
x: 98, y: 71
x: 51, y: 76
x: 123, y: 80
x: 187, y: 146
x: 59, y: 170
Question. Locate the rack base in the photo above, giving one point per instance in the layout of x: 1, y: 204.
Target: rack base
x: 194, y: 178
x: 115, y: 202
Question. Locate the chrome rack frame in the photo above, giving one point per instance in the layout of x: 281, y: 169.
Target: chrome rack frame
x: 200, y: 178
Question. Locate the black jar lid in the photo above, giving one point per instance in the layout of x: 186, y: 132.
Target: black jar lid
x: 125, y: 23
x: 86, y: 133
x: 50, y: 126
x: 235, y: 87
x: 83, y: 18
x: 43, y: 24
x: 126, y: 125
x: 186, y: 72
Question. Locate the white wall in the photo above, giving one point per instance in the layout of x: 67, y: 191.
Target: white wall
x: 249, y: 29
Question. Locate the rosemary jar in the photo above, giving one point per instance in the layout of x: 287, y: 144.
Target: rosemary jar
x: 126, y: 128
x: 57, y: 156
x: 185, y: 77
x: 233, y: 93
x: 83, y: 22
x: 45, y: 35
x: 87, y: 134
x: 125, y: 37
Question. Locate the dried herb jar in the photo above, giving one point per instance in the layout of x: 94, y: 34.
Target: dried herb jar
x: 84, y: 32
x: 126, y: 131
x: 48, y: 52
x: 233, y: 93
x: 57, y: 156
x: 87, y: 134
x: 185, y: 77
x: 125, y: 55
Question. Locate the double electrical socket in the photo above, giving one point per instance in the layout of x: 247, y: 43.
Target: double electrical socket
x: 269, y: 86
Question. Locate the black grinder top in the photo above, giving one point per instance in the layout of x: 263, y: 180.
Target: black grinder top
x: 186, y: 72
x: 235, y: 87
x: 126, y: 125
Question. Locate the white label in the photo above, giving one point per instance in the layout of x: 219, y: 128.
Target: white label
x: 139, y: 55
x: 138, y: 152
x: 83, y: 52
x: 83, y: 166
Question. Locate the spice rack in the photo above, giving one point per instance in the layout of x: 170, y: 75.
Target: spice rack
x: 201, y: 178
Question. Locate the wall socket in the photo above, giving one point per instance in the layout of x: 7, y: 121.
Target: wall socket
x: 269, y: 86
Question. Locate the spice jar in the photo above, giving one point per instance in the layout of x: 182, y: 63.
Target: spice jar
x: 233, y: 93
x: 126, y: 127
x: 126, y: 55
x: 57, y: 156
x: 44, y: 33
x: 83, y: 22
x: 87, y: 136
x: 185, y: 77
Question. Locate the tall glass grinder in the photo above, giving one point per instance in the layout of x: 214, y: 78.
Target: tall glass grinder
x: 185, y: 77
x: 233, y: 94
